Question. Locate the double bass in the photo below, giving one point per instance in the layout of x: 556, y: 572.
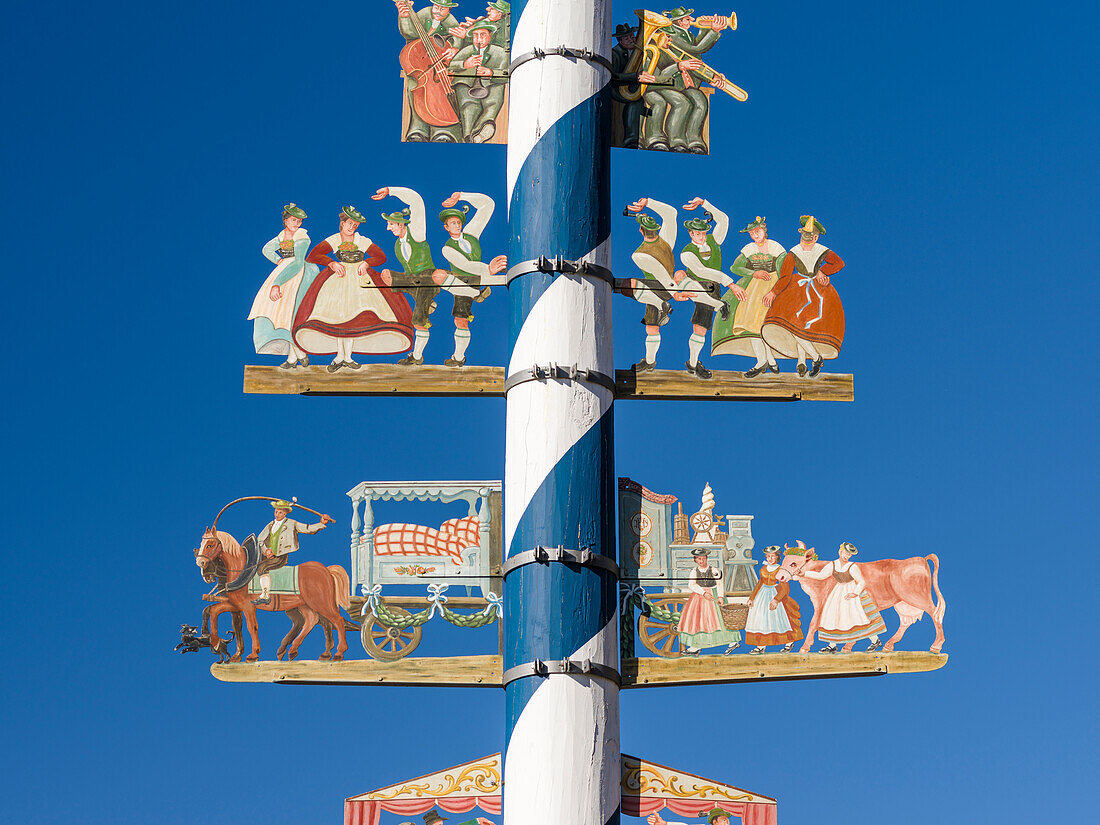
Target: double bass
x: 433, y: 96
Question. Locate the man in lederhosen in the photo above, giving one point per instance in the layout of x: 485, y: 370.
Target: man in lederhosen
x: 277, y: 541
x: 702, y: 257
x: 463, y: 252
x: 420, y: 279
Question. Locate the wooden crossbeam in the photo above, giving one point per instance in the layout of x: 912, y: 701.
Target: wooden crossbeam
x: 436, y: 380
x: 450, y: 671
x: 773, y: 667
x: 487, y: 671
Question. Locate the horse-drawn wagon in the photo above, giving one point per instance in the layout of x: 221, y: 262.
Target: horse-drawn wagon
x: 657, y: 551
x: 464, y: 552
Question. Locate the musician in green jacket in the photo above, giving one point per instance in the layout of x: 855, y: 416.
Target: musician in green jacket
x: 480, y: 73
x: 435, y: 20
x: 679, y: 111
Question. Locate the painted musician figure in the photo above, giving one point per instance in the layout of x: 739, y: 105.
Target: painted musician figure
x: 435, y: 21
x: 679, y: 112
x: 633, y: 110
x: 805, y: 319
x: 463, y: 252
x: 480, y: 73
x: 757, y: 269
x: 278, y: 540
x: 702, y: 258
x: 497, y: 12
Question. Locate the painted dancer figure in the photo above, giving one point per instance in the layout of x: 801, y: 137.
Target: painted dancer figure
x: 774, y: 617
x: 437, y: 22
x: 702, y: 257
x: 701, y: 624
x: 420, y: 279
x: 279, y: 298
x: 757, y: 268
x: 849, y: 613
x: 278, y: 540
x: 463, y: 252
x: 480, y: 81
x: 679, y: 111
x: 805, y: 319
x: 348, y: 309
x: 655, y: 258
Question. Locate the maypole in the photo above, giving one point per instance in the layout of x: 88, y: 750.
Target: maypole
x: 562, y: 761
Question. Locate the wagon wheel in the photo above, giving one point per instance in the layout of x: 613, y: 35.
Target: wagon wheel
x: 388, y: 644
x: 663, y: 638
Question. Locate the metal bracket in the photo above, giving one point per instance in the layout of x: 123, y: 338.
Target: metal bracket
x: 561, y: 51
x: 545, y: 555
x: 570, y: 373
x: 573, y: 667
x: 562, y: 265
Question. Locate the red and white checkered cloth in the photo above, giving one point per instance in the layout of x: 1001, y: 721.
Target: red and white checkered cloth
x: 452, y: 537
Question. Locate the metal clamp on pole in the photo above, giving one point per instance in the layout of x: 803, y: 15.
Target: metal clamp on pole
x: 545, y: 555
x: 561, y: 51
x: 565, y: 267
x: 572, y: 667
x: 570, y: 373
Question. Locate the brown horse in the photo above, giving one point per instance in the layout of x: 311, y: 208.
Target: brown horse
x: 322, y: 592
x: 903, y: 584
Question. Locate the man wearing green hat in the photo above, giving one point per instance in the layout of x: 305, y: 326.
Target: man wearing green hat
x: 435, y: 20
x: 420, y: 279
x: 679, y: 111
x: 702, y: 257
x: 757, y: 268
x: 499, y: 13
x: 278, y: 540
x: 463, y: 252
x: 480, y: 80
x: 655, y: 258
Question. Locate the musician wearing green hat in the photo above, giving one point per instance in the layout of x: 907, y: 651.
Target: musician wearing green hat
x: 423, y: 27
x: 656, y: 260
x: 805, y: 319
x: 499, y: 13
x: 633, y: 111
x: 757, y: 268
x: 679, y: 111
x: 702, y: 257
x: 278, y: 540
x: 480, y: 78
x: 463, y: 252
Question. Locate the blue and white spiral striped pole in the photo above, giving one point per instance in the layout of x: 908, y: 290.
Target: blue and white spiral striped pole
x: 562, y: 762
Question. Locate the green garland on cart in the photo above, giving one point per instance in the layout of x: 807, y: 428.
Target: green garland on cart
x: 626, y: 623
x: 471, y: 620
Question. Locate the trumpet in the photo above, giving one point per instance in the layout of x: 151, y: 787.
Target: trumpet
x: 656, y: 42
x: 707, y: 21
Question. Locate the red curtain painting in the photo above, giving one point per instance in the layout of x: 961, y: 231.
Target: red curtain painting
x: 751, y: 813
x: 363, y: 812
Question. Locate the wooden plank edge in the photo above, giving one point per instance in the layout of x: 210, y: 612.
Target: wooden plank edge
x: 879, y: 665
x: 459, y: 671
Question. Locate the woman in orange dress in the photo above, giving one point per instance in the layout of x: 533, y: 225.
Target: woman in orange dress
x: 774, y: 618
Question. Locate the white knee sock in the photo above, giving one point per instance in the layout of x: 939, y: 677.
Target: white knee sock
x: 462, y: 340
x: 419, y: 342
x: 760, y: 350
x: 646, y: 295
x: 811, y: 350
x: 348, y: 344
x: 695, y: 346
x: 457, y: 287
x: 265, y: 584
x: 698, y: 294
x: 652, y: 344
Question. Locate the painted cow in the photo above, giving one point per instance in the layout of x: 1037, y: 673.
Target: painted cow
x: 903, y: 584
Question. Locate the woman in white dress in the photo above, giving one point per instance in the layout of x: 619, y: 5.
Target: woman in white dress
x: 348, y: 309
x: 849, y: 613
x: 279, y: 297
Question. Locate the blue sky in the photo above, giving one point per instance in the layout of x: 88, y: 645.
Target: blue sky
x: 950, y: 150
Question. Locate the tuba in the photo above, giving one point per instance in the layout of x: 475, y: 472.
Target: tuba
x: 655, y: 42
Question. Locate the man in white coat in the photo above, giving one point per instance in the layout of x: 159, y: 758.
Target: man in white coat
x: 278, y: 540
